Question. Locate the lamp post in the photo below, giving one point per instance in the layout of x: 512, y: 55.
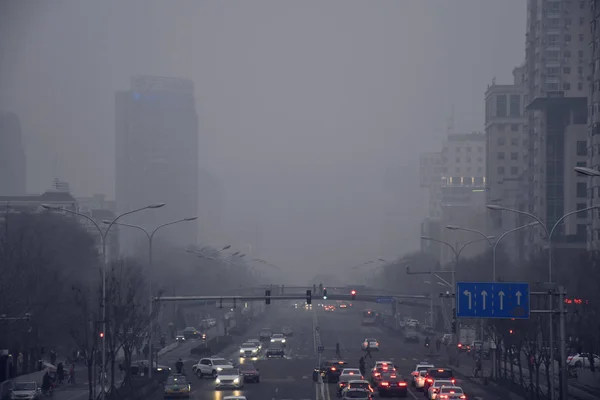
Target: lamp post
x: 500, y: 238
x: 103, y: 235
x: 549, y: 234
x: 453, y: 271
x: 150, y: 235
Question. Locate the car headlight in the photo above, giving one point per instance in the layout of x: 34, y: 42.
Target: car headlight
x: 283, y: 341
x: 272, y: 340
x: 217, y: 380
x: 241, y: 350
x: 236, y: 380
x: 159, y: 369
x: 219, y: 369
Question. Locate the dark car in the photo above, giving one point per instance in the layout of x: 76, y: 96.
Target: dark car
x: 250, y: 372
x: 275, y: 349
x: 265, y: 334
x: 331, y: 370
x: 392, y: 385
x: 438, y: 373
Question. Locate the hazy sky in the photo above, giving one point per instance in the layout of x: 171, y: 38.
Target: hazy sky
x: 312, y: 113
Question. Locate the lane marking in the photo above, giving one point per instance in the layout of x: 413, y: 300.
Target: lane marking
x: 276, y: 390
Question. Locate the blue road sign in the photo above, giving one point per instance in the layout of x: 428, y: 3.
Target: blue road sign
x: 492, y: 300
x: 385, y: 300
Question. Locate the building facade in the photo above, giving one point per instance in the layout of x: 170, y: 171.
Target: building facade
x: 157, y: 157
x: 594, y: 124
x: 12, y: 156
x: 506, y: 155
x: 556, y: 79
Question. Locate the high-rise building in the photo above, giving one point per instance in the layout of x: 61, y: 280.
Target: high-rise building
x: 430, y: 178
x: 594, y: 124
x: 157, y: 157
x: 12, y: 156
x: 506, y: 155
x: 463, y: 192
x: 556, y: 61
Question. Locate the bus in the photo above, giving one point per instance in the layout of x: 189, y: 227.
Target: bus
x: 369, y: 317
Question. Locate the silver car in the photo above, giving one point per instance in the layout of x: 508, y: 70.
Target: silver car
x: 229, y: 378
x: 249, y: 350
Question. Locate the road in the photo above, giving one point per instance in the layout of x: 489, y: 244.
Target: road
x: 291, y: 378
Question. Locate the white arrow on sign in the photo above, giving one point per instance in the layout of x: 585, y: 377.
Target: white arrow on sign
x: 484, y: 295
x: 501, y: 294
x: 519, y: 294
x: 468, y: 294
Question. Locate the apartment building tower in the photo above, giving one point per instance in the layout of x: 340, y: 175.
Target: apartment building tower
x: 506, y: 155
x: 556, y: 62
x: 594, y: 124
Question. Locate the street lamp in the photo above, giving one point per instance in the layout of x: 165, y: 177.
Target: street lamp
x: 150, y: 235
x: 485, y: 237
x: 201, y: 254
x: 587, y: 171
x: 104, y: 264
x: 549, y: 234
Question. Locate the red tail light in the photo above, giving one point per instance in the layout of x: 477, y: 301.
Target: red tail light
x: 430, y: 380
x: 463, y: 397
x: 453, y: 381
x: 402, y: 384
x: 377, y: 374
x: 459, y: 345
x: 333, y: 368
x: 384, y: 384
x: 415, y: 373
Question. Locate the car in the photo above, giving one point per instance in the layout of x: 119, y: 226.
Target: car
x: 343, y: 305
x: 250, y: 372
x: 438, y: 373
x: 433, y: 390
x: 358, y: 385
x: 139, y: 366
x: 249, y: 349
x: 380, y: 368
x: 357, y: 394
x: 177, y: 386
x: 287, y: 331
x: 275, y: 349
x: 347, y: 375
x: 370, y: 343
x: 278, y: 338
x: 234, y: 398
x: 392, y: 384
x: 418, y: 379
x: 210, y: 366
x: 25, y: 390
x: 229, y: 377
x: 265, y: 335
x: 180, y: 337
x: 451, y: 393
x: 330, y: 370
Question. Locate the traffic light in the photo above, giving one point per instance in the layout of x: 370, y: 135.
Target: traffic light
x: 353, y: 293
x: 267, y: 297
x: 308, y: 297
x: 453, y: 326
x: 511, y: 331
x: 324, y: 294
x: 101, y: 335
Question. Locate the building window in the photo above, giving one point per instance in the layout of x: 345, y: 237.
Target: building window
x: 582, y: 232
x: 457, y: 159
x: 566, y: 86
x: 514, y: 141
x: 514, y: 170
x: 501, y: 141
x: 583, y: 214
x: 458, y: 149
x: 500, y: 170
x: 468, y: 149
x: 582, y: 148
x: 479, y: 149
x: 501, y: 155
x: 514, y: 156
x: 580, y: 86
x: 468, y: 159
x: 581, y: 164
x: 501, y: 104
x: 515, y: 105
x: 514, y: 127
x: 501, y: 128
x: 581, y: 190
x: 567, y: 70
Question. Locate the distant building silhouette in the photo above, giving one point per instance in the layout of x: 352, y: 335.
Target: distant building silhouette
x: 157, y: 157
x: 12, y: 156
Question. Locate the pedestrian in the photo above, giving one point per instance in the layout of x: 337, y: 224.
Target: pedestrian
x: 60, y: 372
x: 71, y: 374
x: 53, y: 357
x: 368, y: 351
x: 477, y: 368
x: 179, y: 366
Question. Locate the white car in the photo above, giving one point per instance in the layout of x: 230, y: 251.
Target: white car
x: 229, y: 378
x: 418, y: 379
x: 347, y: 375
x: 256, y: 342
x: 582, y: 360
x: 278, y: 338
x: 234, y: 398
x: 249, y: 349
x: 357, y: 395
x: 358, y: 385
x: 451, y: 393
x: 26, y: 391
x: 433, y: 390
x: 370, y: 343
x: 210, y: 366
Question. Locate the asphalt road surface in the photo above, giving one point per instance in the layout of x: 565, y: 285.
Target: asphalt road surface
x: 290, y: 378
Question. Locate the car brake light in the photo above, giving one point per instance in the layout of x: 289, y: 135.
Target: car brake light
x: 402, y: 384
x: 384, y: 384
x: 440, y: 370
x: 463, y: 397
x: 430, y: 380
x: 459, y: 345
x: 453, y: 381
x: 377, y: 374
x: 414, y: 373
x: 333, y: 368
x: 376, y: 343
